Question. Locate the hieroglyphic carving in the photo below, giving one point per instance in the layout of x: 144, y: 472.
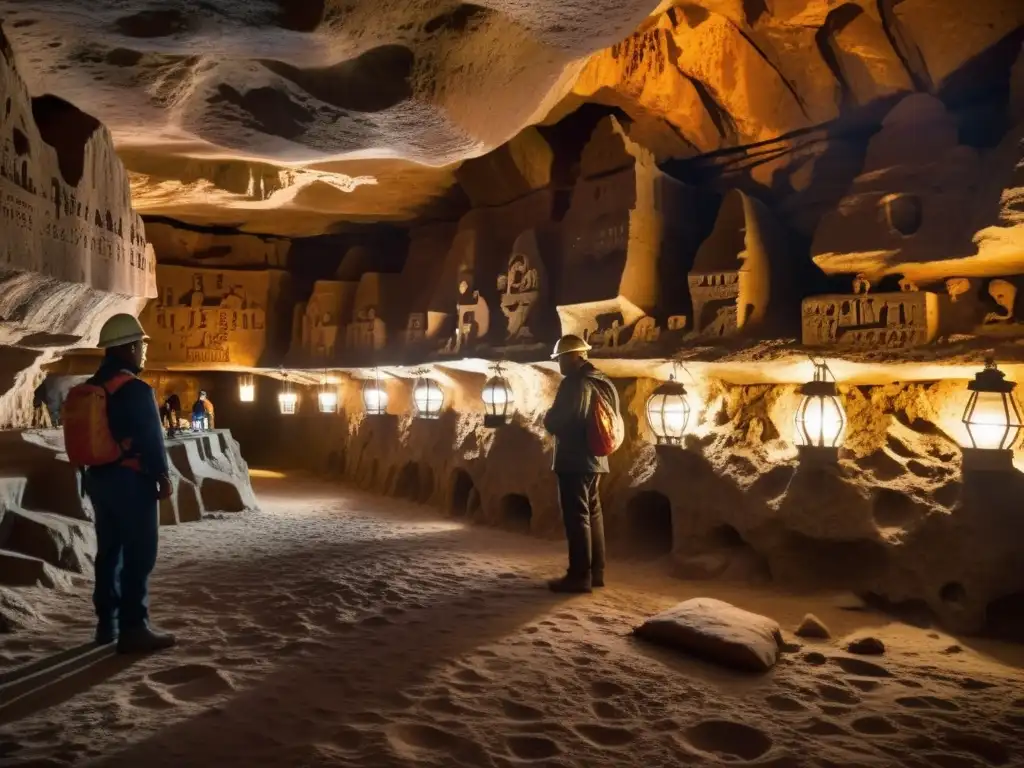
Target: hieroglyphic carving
x: 645, y: 331
x: 367, y: 331
x: 473, y: 315
x: 209, y: 316
x: 880, y: 320
x: 714, y: 296
x: 520, y: 287
x: 324, y: 317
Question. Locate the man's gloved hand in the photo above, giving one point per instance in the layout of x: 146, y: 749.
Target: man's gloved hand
x: 163, y: 487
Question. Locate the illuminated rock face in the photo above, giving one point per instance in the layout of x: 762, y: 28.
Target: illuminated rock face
x: 286, y: 117
x: 74, y: 251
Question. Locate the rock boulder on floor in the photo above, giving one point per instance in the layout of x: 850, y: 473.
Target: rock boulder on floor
x: 717, y: 631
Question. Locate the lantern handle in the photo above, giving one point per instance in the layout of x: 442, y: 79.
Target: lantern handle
x: 676, y: 365
x: 821, y: 369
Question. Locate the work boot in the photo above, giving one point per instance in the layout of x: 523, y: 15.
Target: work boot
x: 597, y: 579
x: 143, y: 640
x: 106, y: 633
x: 577, y: 585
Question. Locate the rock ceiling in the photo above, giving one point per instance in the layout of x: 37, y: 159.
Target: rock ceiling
x: 292, y: 116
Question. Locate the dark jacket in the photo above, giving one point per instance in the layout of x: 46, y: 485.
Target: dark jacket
x: 133, y: 414
x: 567, y: 421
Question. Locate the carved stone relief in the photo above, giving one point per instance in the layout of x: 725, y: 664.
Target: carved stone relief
x: 519, y: 288
x: 871, y: 320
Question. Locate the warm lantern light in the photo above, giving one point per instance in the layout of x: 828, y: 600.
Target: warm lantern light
x: 820, y: 418
x: 375, y: 396
x: 287, y: 401
x: 992, y: 419
x: 246, y: 389
x: 668, y: 413
x: 428, y: 397
x: 327, y: 397
x: 498, y: 399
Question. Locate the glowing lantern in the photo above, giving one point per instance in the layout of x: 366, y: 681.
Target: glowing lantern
x: 428, y: 397
x: 287, y: 399
x: 246, y: 389
x: 668, y: 412
x: 820, y: 418
x: 327, y: 397
x: 992, y: 416
x: 375, y: 396
x: 498, y: 399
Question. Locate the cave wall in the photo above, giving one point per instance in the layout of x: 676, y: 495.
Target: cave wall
x: 74, y: 250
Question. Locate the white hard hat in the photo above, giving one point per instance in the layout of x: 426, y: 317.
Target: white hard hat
x: 569, y: 343
x: 121, y: 329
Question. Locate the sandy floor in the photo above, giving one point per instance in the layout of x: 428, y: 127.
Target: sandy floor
x: 339, y: 629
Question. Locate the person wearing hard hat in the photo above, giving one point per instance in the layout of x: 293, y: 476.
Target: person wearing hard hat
x: 124, y: 492
x: 577, y: 468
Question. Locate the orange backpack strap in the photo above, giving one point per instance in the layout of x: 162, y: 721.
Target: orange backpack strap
x: 112, y: 385
x: 117, y: 381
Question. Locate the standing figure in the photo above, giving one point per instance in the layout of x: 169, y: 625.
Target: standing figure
x: 112, y: 432
x: 202, y: 412
x: 577, y: 468
x: 170, y: 412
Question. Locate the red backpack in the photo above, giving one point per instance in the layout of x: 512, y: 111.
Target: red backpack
x: 605, y: 428
x: 87, y: 437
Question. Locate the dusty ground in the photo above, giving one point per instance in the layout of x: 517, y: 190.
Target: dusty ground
x: 340, y: 629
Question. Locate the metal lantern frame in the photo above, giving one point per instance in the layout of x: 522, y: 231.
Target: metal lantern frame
x: 496, y: 414
x: 379, y: 405
x: 287, y: 399
x: 429, y: 391
x: 327, y: 397
x: 660, y: 406
x: 246, y: 389
x: 823, y: 390
x: 992, y: 381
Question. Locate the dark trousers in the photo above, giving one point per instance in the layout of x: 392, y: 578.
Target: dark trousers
x: 584, y: 525
x: 127, y: 525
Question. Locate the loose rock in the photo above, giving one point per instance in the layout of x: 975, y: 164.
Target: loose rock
x: 813, y: 627
x: 866, y: 646
x: 717, y: 631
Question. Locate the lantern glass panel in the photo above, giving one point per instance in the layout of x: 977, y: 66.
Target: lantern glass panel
x: 428, y: 397
x: 497, y: 397
x: 287, y: 402
x: 992, y: 420
x: 820, y: 421
x: 246, y: 390
x: 328, y: 401
x: 668, y: 413
x: 375, y: 398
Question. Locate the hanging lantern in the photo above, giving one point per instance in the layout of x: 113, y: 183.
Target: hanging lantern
x: 428, y: 397
x: 498, y: 400
x: 327, y: 397
x: 375, y: 396
x: 246, y: 389
x: 992, y: 419
x: 668, y: 412
x: 287, y: 399
x: 820, y: 418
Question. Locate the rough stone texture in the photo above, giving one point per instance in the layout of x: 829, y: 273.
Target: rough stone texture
x: 74, y: 250
x: 717, y: 631
x: 46, y: 532
x: 813, y: 628
x: 363, y: 111
x: 866, y: 646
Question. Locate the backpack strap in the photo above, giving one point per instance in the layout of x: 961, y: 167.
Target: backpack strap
x: 113, y: 384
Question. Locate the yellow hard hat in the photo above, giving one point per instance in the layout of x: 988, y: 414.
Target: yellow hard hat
x: 569, y: 343
x: 121, y: 329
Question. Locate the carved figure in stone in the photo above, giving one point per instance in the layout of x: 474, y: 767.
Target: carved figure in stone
x: 416, y: 327
x: 957, y: 286
x: 861, y: 284
x: 645, y: 331
x: 520, y: 289
x: 472, y: 315
x: 1004, y: 293
x: 677, y: 322
x: 907, y: 285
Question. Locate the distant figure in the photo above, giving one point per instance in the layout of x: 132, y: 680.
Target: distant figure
x: 41, y: 417
x: 112, y: 431
x: 576, y: 466
x: 202, y: 412
x: 170, y: 412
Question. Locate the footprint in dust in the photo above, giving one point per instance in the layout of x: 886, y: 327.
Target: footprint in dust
x: 784, y: 703
x: 146, y: 696
x: 532, y: 747
x: 608, y: 711
x: 819, y: 727
x: 368, y: 718
x: 193, y: 681
x: 411, y: 740
x: 837, y: 695
x: 605, y: 735
x: 521, y: 712
x: 861, y: 667
x: 470, y: 676
x: 443, y: 705
x: 992, y: 752
x: 605, y: 689
x: 874, y: 725
x: 865, y: 685
x: 726, y: 739
x: 927, y: 702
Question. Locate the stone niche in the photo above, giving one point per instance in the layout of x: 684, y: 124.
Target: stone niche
x: 206, y: 318
x: 320, y: 324
x: 464, y: 310
x: 739, y: 278
x: 374, y: 301
x: 524, y: 289
x: 73, y: 250
x: 419, y: 281
x: 628, y: 242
